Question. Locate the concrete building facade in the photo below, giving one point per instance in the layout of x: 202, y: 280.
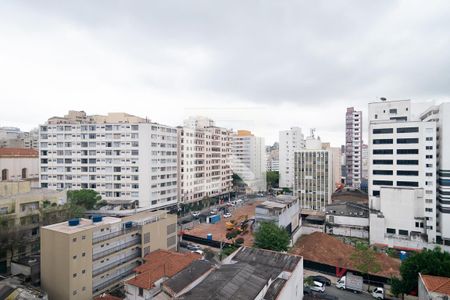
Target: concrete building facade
x: 353, y: 146
x: 129, y: 160
x: 82, y: 258
x: 204, y: 160
x: 402, y: 176
x: 249, y: 160
x: 440, y: 115
x: 313, y: 183
x: 291, y: 141
x: 19, y: 164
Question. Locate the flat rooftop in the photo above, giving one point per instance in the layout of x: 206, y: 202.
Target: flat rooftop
x: 85, y: 224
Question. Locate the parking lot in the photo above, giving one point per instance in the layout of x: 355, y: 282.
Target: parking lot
x: 219, y: 230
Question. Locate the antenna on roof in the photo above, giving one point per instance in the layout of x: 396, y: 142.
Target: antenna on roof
x: 383, y: 99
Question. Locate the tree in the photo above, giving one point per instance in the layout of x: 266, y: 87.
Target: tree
x: 270, y: 236
x: 365, y: 260
x: 429, y: 262
x: 272, y: 178
x: 85, y: 198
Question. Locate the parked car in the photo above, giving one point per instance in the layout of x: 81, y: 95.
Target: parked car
x: 184, y: 244
x: 378, y: 293
x: 193, y: 247
x: 213, y: 211
x: 322, y: 279
x: 227, y: 215
x: 195, y: 214
x: 317, y: 287
x: 198, y: 251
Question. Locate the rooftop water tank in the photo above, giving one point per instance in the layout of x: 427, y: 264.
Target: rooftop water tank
x: 74, y: 222
x: 96, y: 219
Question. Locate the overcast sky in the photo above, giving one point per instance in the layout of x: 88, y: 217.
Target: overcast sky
x: 258, y: 65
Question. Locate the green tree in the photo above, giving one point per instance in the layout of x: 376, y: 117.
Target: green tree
x: 85, y: 198
x: 429, y: 262
x: 270, y: 236
x: 272, y: 178
x: 365, y: 260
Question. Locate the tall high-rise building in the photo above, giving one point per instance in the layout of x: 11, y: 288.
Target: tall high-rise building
x: 291, y: 141
x: 249, y: 160
x: 353, y: 146
x: 313, y: 180
x: 440, y: 114
x: 82, y: 258
x: 204, y: 160
x: 402, y: 176
x: 129, y: 160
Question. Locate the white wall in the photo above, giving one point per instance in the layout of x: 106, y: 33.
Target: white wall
x: 293, y: 289
x: 14, y: 165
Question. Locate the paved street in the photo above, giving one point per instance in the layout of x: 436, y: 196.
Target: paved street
x: 345, y: 295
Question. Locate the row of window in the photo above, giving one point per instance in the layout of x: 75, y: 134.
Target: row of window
x: 399, y: 183
x: 400, y: 172
x: 399, y: 141
x: 399, y: 130
x: 399, y: 151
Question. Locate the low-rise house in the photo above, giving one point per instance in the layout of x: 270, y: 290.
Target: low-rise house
x: 434, y: 287
x: 159, y: 266
x: 347, y: 219
x: 251, y: 273
x: 284, y: 211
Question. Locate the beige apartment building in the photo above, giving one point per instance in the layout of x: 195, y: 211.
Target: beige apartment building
x: 82, y: 258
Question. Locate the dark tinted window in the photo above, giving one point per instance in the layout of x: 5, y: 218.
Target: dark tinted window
x: 407, y: 151
x: 408, y: 141
x: 383, y: 151
x: 407, y: 183
x: 383, y: 182
x: 408, y: 173
x: 383, y: 161
x: 382, y: 172
x: 407, y: 162
x: 407, y: 129
x: 383, y: 141
x: 382, y: 130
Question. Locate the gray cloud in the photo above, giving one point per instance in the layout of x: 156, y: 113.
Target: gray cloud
x: 162, y: 58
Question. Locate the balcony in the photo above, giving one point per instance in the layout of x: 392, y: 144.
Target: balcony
x: 118, y: 248
x: 109, y: 236
x: 116, y: 279
x: 116, y: 264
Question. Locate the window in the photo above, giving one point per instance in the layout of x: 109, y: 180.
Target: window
x: 383, y: 151
x: 382, y: 172
x: 83, y: 254
x: 407, y: 183
x: 382, y: 141
x: 83, y: 271
x: 407, y: 151
x: 383, y: 161
x: 74, y: 257
x: 375, y: 193
x: 390, y: 230
x: 407, y: 162
x: 402, y: 232
x: 428, y: 209
x: 429, y: 174
x: 74, y: 240
x: 74, y: 292
x: 146, y: 237
x: 429, y: 147
x: 408, y: 173
x: 393, y: 111
x: 429, y: 138
x: 171, y: 228
x: 141, y: 292
x: 74, y: 275
x: 382, y: 130
x: 407, y: 129
x: 408, y: 141
x: 429, y: 156
x: 383, y: 182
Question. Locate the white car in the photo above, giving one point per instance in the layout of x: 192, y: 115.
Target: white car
x: 317, y: 287
x: 198, y: 251
x: 227, y: 215
x: 195, y: 213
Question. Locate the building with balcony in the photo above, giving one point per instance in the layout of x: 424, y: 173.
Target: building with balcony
x: 129, y: 160
x: 83, y: 258
x: 291, y: 141
x: 353, y: 147
x: 249, y: 160
x: 22, y: 211
x: 204, y: 160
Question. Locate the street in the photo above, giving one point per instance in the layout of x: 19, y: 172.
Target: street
x: 345, y: 295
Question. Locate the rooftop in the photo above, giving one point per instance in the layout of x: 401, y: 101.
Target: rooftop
x: 246, y: 275
x: 280, y: 202
x: 19, y: 152
x: 274, y: 289
x: 189, y: 274
x: 436, y: 284
x: 160, y: 264
x: 348, y: 209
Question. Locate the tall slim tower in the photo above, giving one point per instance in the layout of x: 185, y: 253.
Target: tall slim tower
x: 290, y: 141
x: 353, y: 146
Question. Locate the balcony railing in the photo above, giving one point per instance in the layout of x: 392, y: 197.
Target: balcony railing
x: 111, y: 235
x: 118, y: 248
x: 127, y: 272
x: 117, y: 263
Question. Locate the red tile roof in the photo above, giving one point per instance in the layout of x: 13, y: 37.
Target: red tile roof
x: 18, y: 152
x: 437, y: 284
x: 159, y: 264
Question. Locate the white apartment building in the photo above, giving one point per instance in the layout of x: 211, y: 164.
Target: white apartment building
x: 440, y: 114
x: 204, y: 160
x: 127, y: 159
x: 249, y: 160
x: 402, y: 176
x: 290, y: 141
x: 313, y: 183
x: 272, y: 159
x: 353, y: 146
